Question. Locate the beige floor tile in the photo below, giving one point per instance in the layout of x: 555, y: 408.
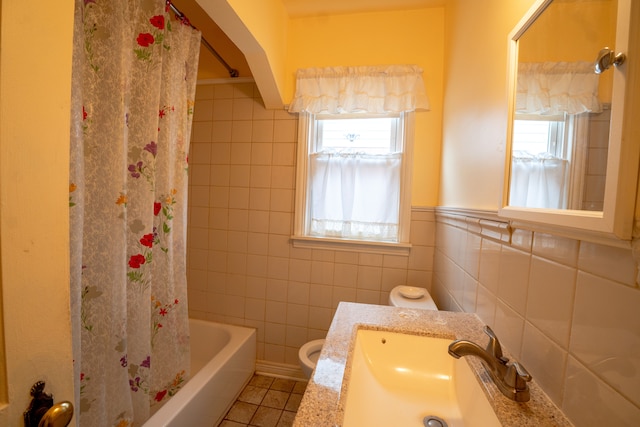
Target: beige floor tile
x: 282, y: 384
x: 266, y: 417
x: 300, y: 387
x: 286, y: 419
x: 241, y: 412
x: 275, y: 399
x: 294, y: 402
x: 261, y: 381
x: 252, y: 394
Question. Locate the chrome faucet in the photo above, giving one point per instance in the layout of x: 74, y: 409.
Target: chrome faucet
x: 510, y: 377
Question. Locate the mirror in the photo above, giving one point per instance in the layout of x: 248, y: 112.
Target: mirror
x: 565, y: 115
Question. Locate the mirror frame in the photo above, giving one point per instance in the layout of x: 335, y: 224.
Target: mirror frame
x: 616, y: 219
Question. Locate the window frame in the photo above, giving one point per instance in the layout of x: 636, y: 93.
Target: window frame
x: 307, y: 131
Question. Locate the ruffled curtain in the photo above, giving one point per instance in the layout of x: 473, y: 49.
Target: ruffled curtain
x: 551, y: 88
x: 371, y: 89
x: 133, y: 88
x: 354, y: 195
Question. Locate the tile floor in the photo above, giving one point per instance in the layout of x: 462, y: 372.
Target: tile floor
x: 266, y: 402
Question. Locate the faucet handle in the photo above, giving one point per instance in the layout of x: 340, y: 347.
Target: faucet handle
x: 493, y: 347
x: 517, y: 376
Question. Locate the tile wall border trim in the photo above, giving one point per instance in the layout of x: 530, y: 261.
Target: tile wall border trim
x: 482, y: 222
x: 498, y: 226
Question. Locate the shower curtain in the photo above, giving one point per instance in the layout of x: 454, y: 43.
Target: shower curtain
x: 133, y: 84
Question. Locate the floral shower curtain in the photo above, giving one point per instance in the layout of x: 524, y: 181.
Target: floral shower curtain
x: 134, y: 71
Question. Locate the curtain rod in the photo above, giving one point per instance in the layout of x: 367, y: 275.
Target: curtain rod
x: 232, y: 71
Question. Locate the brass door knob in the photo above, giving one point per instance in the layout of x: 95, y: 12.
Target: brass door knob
x: 59, y: 415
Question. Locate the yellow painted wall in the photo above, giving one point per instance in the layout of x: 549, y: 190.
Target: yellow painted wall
x: 475, y: 106
x: 377, y: 38
x: 35, y: 91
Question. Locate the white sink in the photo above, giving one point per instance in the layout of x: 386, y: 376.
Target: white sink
x: 399, y: 379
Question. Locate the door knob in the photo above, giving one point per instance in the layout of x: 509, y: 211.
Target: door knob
x: 43, y: 413
x: 59, y: 415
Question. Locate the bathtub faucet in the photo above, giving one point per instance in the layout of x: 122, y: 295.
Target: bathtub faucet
x: 511, y: 378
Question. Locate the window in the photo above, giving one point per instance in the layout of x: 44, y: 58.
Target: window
x: 548, y: 163
x: 540, y: 136
x: 354, y: 179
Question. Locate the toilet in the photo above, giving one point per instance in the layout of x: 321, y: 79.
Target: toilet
x: 400, y: 296
x: 308, y: 356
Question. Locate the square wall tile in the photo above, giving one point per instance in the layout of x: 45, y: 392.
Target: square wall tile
x: 559, y: 249
x: 392, y: 277
x: 608, y: 262
x: 345, y: 275
x: 369, y: 277
x: 545, y: 361
x: 589, y: 401
x: 319, y: 296
x: 472, y: 254
x: 201, y: 132
x: 298, y: 293
x: 296, y: 336
x: 605, y: 334
x: 509, y: 326
x: 261, y: 153
x: 262, y: 131
x: 283, y: 177
x: 243, y: 109
x: 221, y: 154
x: 513, y: 279
x: 285, y: 131
x: 550, y: 299
x: 320, y: 317
x: 300, y: 270
x: 200, y: 153
x: 204, y: 91
x: 485, y: 305
x: 241, y: 153
x: 469, y: 294
x: 489, y: 273
x: 260, y: 112
x: 203, y: 110
x: 241, y: 131
x: 222, y: 109
x: 422, y: 233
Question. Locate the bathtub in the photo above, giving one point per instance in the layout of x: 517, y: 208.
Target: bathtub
x: 223, y: 360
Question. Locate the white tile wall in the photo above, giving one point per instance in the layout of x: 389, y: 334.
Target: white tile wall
x: 241, y: 267
x: 568, y: 309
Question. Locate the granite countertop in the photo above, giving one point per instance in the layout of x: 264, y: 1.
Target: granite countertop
x: 320, y: 405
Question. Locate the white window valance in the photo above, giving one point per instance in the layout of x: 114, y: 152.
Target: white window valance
x: 552, y: 88
x: 370, y: 89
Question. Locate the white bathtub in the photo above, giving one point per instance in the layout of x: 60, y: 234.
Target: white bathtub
x: 223, y: 360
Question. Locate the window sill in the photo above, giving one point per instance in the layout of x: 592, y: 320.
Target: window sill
x: 385, y: 248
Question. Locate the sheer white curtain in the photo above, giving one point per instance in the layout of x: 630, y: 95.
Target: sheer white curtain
x: 537, y: 181
x: 355, y: 195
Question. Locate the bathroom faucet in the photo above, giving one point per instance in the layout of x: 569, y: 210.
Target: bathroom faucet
x: 510, y: 377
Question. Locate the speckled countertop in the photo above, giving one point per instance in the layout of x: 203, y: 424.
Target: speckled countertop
x: 321, y: 406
